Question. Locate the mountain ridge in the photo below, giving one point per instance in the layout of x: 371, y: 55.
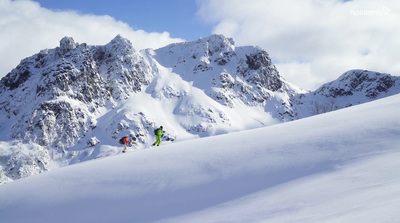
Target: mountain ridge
x: 72, y: 103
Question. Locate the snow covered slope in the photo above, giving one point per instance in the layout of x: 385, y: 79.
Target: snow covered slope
x: 340, y: 166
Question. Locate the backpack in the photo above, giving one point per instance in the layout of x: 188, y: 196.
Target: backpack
x: 121, y: 141
x: 155, y: 131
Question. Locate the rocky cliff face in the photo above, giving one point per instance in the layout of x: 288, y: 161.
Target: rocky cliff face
x: 73, y: 103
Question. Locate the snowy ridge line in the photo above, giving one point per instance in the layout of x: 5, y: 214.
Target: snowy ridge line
x: 191, y: 181
x: 73, y: 103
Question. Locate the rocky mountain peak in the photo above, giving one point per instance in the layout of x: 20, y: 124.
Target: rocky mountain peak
x: 370, y: 84
x: 120, y: 45
x: 232, y: 75
x: 67, y: 44
x: 351, y: 88
x: 65, y: 87
x: 217, y: 44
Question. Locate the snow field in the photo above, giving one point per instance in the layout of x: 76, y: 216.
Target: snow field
x: 336, y: 167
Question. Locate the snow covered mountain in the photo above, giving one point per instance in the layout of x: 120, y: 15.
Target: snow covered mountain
x: 52, y: 100
x: 351, y: 88
x: 73, y: 103
x: 340, y: 166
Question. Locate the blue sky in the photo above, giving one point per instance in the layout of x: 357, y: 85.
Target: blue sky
x: 310, y: 42
x: 178, y: 17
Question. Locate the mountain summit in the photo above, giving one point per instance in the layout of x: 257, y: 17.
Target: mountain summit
x: 74, y: 102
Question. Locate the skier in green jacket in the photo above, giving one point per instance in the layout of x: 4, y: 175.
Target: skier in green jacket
x: 158, y: 132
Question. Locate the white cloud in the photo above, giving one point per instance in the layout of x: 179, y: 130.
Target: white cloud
x: 26, y: 28
x: 313, y: 41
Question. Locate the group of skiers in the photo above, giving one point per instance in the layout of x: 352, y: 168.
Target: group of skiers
x: 157, y: 132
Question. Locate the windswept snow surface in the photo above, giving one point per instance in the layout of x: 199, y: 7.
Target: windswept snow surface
x: 341, y: 166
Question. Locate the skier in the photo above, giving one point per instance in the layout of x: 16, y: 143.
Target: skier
x: 158, y: 132
x: 126, y: 141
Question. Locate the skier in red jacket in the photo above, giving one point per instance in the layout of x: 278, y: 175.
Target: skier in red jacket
x: 125, y: 142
